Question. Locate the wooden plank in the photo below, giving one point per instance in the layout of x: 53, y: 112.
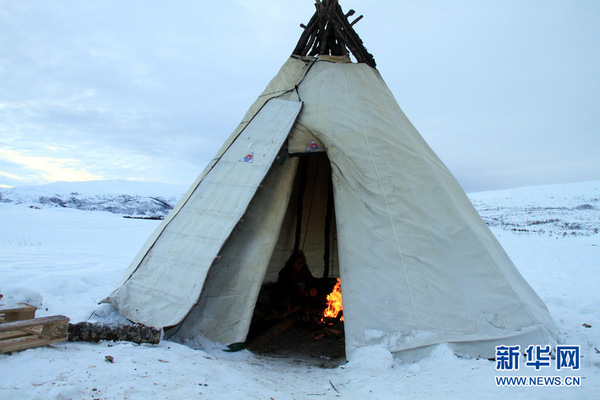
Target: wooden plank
x: 32, y: 323
x: 26, y: 343
x: 12, y: 335
x: 17, y: 312
x: 6, y: 308
x: 20, y: 335
x: 56, y: 329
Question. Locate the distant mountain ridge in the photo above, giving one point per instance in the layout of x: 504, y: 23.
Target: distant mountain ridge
x: 571, y: 209
x: 129, y: 198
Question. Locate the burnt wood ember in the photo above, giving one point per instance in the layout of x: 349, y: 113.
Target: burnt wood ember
x: 333, y: 321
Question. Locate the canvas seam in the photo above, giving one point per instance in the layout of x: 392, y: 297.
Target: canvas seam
x: 498, y: 269
x: 385, y: 199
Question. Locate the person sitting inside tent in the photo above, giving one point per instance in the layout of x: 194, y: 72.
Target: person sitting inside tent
x: 296, y: 285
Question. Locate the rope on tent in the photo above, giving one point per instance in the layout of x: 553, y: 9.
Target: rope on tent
x: 279, y: 93
x: 276, y: 94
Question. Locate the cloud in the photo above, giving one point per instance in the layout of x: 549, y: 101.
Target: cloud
x: 49, y: 168
x: 132, y: 89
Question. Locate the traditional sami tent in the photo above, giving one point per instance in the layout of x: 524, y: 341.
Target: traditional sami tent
x: 326, y: 161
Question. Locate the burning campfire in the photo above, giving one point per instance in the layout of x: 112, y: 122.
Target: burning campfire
x: 334, y: 304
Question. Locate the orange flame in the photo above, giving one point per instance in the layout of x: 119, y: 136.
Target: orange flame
x: 334, y: 302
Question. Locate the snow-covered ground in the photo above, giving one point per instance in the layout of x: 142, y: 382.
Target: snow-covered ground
x: 66, y: 260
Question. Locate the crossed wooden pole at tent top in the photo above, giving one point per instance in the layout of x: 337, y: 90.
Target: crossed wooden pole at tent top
x: 329, y: 32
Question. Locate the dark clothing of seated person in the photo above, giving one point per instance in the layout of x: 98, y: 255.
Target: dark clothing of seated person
x: 296, y: 284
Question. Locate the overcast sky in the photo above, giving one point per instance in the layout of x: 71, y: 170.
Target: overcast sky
x: 506, y: 92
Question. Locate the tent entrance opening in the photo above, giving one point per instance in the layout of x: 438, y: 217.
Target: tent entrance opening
x: 289, y: 317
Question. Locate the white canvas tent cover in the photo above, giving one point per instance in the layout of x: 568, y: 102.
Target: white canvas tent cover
x: 418, y: 265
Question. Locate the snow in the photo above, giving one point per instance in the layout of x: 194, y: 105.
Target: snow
x: 117, y: 196
x: 551, y: 210
x: 66, y: 260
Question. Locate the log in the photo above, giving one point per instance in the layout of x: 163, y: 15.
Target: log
x: 310, y: 27
x: 330, y: 32
x: 354, y: 40
x: 137, y: 333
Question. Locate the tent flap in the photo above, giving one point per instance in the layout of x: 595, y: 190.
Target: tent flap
x: 169, y: 279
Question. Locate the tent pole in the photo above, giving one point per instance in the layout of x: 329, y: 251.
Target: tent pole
x: 327, y: 235
x: 303, y: 169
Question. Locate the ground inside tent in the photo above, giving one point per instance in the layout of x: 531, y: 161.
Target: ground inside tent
x: 302, y: 342
x: 303, y: 335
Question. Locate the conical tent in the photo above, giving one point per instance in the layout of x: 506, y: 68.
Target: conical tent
x: 418, y: 266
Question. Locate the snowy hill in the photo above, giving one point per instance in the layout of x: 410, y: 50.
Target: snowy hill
x: 144, y: 199
x: 567, y: 209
